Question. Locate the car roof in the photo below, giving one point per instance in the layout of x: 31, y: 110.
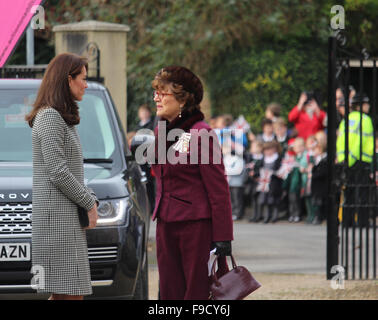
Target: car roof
x: 35, y: 83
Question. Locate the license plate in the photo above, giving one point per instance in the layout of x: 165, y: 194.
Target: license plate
x: 14, y: 251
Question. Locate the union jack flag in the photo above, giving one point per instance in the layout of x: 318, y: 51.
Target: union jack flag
x: 264, y: 180
x: 288, y: 163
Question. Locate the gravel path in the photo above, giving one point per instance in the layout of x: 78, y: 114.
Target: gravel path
x: 289, y: 260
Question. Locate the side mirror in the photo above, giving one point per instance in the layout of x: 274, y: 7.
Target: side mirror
x: 139, y: 145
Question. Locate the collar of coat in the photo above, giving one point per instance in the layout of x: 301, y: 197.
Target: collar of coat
x: 185, y: 122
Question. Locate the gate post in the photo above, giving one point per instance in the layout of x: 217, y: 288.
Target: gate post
x: 332, y: 224
x: 111, y: 40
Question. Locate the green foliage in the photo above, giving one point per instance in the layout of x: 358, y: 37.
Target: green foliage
x: 43, y: 52
x: 190, y: 33
x: 361, y: 23
x: 208, y: 35
x: 246, y: 82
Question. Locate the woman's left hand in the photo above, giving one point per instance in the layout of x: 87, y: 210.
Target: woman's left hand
x: 223, y: 248
x: 93, y: 217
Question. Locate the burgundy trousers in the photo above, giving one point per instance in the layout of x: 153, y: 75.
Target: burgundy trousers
x: 182, y: 253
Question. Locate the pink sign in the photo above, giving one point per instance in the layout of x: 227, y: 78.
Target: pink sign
x: 15, y: 16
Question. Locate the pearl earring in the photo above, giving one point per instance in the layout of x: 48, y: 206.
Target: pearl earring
x: 180, y: 111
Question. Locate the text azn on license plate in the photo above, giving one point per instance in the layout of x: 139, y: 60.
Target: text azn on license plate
x: 14, y: 251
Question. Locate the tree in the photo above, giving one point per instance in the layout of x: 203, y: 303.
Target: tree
x: 198, y: 33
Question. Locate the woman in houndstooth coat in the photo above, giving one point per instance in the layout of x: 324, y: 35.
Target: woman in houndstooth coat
x: 59, y: 243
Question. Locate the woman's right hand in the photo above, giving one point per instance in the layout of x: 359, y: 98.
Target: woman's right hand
x: 93, y: 216
x: 223, y: 248
x: 302, y: 100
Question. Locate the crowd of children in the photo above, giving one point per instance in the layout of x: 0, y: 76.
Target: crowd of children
x: 282, y: 174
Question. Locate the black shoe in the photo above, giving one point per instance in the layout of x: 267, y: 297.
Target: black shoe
x: 267, y: 218
x: 257, y: 218
x: 275, y: 216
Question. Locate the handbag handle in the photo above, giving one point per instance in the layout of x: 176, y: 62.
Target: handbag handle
x: 214, y: 274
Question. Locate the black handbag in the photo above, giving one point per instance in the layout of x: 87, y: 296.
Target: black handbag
x: 83, y: 217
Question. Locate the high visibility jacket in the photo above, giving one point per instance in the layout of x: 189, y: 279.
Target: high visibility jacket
x: 354, y: 139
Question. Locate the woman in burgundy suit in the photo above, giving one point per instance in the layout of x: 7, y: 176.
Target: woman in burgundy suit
x: 192, y: 206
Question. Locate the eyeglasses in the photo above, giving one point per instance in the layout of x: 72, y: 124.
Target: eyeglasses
x: 161, y: 95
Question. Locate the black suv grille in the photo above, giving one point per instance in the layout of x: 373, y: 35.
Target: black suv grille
x: 15, y: 219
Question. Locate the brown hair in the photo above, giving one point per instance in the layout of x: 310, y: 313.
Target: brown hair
x: 280, y: 122
x: 145, y: 106
x: 275, y: 108
x: 265, y: 122
x: 55, y: 91
x: 272, y: 145
x: 186, y: 86
x: 228, y: 119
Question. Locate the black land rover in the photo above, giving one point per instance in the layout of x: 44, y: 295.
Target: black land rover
x: 117, y: 247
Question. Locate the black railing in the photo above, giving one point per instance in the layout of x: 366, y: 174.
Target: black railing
x: 353, y: 198
x: 90, y: 51
x: 24, y: 72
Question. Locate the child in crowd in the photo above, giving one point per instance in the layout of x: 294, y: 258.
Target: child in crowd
x: 281, y: 133
x: 306, y: 170
x: 254, y: 160
x: 311, y: 143
x: 295, y: 180
x: 321, y: 138
x: 269, y: 184
x: 273, y: 111
x: 236, y: 176
x: 267, y: 134
x: 319, y: 183
x: 233, y: 143
x: 287, y: 165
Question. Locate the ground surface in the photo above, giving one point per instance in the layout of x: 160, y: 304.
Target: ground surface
x: 289, y: 260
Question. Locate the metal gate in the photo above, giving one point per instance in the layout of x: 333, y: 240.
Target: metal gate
x: 91, y: 51
x: 352, y: 202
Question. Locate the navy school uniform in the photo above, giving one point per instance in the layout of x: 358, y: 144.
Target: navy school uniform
x: 269, y: 188
x: 319, y: 184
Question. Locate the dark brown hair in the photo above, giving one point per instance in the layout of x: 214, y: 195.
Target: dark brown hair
x: 55, y: 91
x: 228, y: 119
x: 265, y: 122
x: 275, y: 108
x: 272, y: 145
x: 186, y: 86
x: 145, y: 106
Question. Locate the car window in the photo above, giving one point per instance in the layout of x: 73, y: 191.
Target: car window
x: 15, y: 133
x: 95, y: 128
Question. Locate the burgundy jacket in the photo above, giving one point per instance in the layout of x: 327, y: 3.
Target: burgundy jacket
x: 189, y: 191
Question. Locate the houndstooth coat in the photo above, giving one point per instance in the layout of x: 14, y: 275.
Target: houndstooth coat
x: 59, y: 243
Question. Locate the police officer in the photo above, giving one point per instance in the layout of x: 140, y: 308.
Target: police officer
x: 361, y: 148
